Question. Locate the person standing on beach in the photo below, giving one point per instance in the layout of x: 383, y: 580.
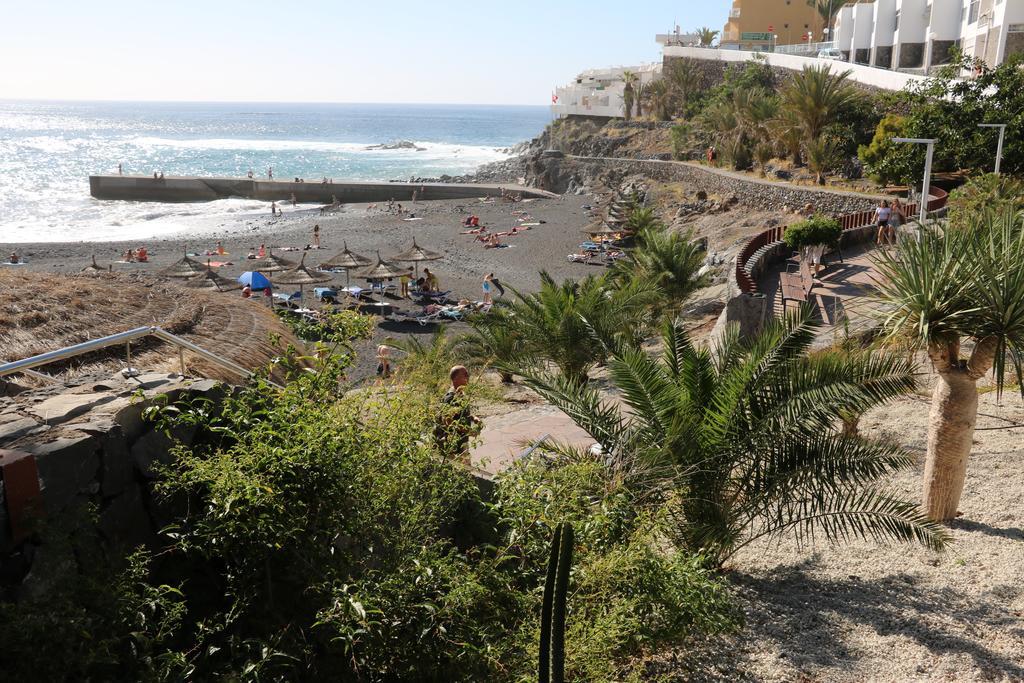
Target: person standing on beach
x: 295, y: 202
x: 496, y: 284
x: 487, y: 289
x: 119, y: 172
x: 404, y: 282
x: 316, y: 236
x: 273, y: 208
x: 270, y: 173
x: 262, y: 253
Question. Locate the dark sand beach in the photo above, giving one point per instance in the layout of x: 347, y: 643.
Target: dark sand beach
x: 366, y: 231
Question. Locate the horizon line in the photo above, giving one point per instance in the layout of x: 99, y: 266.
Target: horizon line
x: 158, y: 101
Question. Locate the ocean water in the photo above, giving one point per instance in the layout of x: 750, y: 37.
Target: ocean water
x: 49, y: 149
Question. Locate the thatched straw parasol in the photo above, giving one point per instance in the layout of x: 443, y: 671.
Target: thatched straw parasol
x: 417, y: 254
x: 345, y: 259
x: 384, y: 271
x: 605, y: 229
x: 184, y: 268
x: 94, y: 268
x: 271, y: 264
x: 301, y: 275
x: 208, y: 279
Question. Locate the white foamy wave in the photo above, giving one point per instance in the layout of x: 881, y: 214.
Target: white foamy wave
x: 423, y: 150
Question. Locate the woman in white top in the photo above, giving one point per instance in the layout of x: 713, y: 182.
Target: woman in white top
x: 882, y: 216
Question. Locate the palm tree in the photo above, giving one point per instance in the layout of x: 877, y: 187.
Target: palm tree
x: 787, y: 129
x: 628, y: 93
x: 669, y: 260
x: 495, y: 342
x: 816, y: 97
x: 746, y: 441
x: 640, y: 92
x: 557, y: 324
x: 706, y: 36
x: 826, y: 8
x: 685, y: 79
x: 659, y: 99
x: 964, y: 284
x: 821, y: 156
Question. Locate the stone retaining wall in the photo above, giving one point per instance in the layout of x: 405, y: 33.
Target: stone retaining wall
x: 92, y: 456
x: 756, y: 194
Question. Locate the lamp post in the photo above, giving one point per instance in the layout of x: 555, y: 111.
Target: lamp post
x: 927, y: 170
x: 1002, y: 136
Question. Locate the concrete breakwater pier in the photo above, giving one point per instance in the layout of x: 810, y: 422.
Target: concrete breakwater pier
x: 195, y: 189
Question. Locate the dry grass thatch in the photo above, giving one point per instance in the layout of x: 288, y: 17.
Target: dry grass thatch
x: 41, y: 312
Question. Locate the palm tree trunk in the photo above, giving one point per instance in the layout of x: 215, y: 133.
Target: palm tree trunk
x: 953, y: 416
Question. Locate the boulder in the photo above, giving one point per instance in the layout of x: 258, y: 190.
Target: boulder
x: 67, y: 467
x: 124, y: 522
x: 155, y: 446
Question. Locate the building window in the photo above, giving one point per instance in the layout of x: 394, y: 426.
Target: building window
x: 972, y: 13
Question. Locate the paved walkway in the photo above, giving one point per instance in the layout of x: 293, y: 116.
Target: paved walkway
x: 843, y: 293
x: 738, y: 175
x: 505, y: 436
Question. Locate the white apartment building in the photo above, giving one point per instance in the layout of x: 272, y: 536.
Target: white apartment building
x: 598, y: 92
x: 917, y: 35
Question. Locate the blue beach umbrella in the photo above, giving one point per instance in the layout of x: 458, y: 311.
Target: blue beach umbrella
x: 256, y: 281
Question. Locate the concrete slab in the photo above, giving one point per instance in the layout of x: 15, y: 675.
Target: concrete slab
x: 505, y: 436
x: 61, y: 408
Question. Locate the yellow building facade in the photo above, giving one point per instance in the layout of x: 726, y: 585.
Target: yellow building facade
x: 752, y: 23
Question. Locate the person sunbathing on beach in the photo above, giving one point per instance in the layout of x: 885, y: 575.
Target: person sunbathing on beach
x: 493, y: 242
x: 141, y: 255
x: 129, y: 256
x: 475, y: 231
x: 14, y: 260
x: 251, y: 256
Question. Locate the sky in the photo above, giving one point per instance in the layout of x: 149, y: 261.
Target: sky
x: 453, y: 51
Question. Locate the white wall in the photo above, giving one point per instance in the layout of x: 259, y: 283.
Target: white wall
x: 945, y: 19
x: 878, y: 78
x: 913, y: 22
x: 844, y: 28
x: 884, y: 23
x: 863, y: 27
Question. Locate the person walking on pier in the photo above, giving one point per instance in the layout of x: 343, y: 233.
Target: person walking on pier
x: 119, y: 172
x: 270, y: 173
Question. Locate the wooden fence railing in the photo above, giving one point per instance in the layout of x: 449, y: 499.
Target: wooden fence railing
x: 849, y: 222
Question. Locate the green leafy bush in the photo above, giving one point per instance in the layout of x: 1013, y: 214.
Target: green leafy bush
x: 890, y: 162
x: 990, y: 192
x: 812, y: 232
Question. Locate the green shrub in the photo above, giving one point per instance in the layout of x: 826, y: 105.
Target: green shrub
x: 985, y: 193
x: 812, y: 232
x: 886, y: 161
x: 629, y: 595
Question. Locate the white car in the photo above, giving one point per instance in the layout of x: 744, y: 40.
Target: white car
x: 830, y: 53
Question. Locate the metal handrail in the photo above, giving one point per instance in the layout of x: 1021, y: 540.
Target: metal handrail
x: 533, y: 446
x: 26, y: 365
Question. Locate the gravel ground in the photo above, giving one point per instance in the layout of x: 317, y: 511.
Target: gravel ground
x: 865, y: 612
